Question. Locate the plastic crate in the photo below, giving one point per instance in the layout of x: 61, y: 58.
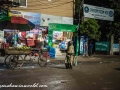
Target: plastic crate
x: 52, y: 56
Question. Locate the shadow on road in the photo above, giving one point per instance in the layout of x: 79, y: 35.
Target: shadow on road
x: 59, y: 67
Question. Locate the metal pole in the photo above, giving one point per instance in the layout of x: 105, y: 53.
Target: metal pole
x: 119, y: 45
x: 77, y: 46
x: 112, y: 41
x: 78, y: 36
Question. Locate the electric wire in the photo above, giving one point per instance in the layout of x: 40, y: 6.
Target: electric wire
x: 49, y: 7
x: 55, y: 5
x: 50, y: 4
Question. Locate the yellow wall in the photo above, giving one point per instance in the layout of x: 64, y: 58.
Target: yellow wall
x: 54, y: 7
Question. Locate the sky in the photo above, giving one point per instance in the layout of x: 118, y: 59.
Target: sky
x: 101, y: 3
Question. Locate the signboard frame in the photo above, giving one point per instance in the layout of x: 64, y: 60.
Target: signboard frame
x: 96, y: 12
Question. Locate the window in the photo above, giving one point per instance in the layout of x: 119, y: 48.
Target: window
x: 23, y: 3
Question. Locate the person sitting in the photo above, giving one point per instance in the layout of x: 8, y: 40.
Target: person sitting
x: 20, y: 44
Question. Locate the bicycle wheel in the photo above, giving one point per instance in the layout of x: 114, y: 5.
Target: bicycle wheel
x: 16, y: 61
x: 13, y: 61
x: 6, y: 61
x: 42, y: 61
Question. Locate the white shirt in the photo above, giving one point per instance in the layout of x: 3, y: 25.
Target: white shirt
x: 20, y: 45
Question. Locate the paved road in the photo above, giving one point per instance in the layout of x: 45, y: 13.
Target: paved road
x: 93, y: 74
x: 81, y: 58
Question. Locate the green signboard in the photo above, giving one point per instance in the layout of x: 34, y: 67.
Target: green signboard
x: 62, y: 27
x: 3, y: 13
x: 59, y: 27
x: 102, y: 46
x: 50, y: 37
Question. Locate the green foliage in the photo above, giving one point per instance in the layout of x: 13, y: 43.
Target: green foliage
x: 114, y: 26
x: 78, y: 6
x: 8, y: 3
x: 90, y: 28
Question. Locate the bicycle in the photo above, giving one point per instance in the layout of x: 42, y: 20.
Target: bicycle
x: 39, y: 56
x: 17, y: 61
x: 15, y: 58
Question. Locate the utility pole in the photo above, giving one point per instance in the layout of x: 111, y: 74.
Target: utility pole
x: 112, y: 41
x: 79, y: 22
x: 78, y: 33
x: 73, y: 10
x: 119, y: 45
x: 78, y: 29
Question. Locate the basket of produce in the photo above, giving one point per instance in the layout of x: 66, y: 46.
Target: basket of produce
x: 17, y: 51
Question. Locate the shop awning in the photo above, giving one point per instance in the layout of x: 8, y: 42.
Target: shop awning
x: 14, y: 22
x: 62, y: 27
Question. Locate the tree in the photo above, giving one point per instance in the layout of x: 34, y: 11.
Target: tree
x: 7, y: 4
x: 114, y: 27
x: 90, y: 28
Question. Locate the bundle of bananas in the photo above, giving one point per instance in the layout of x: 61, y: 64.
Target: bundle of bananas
x: 23, y: 47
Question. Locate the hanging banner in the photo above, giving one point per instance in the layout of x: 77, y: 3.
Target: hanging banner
x: 50, y: 38
x: 46, y: 19
x: 32, y: 17
x: 96, y: 12
x: 81, y: 45
x: 57, y: 35
x: 67, y: 20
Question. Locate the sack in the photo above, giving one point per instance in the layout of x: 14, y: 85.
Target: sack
x: 75, y: 61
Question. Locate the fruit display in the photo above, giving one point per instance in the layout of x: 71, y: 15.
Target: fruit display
x: 23, y: 47
x: 21, y: 50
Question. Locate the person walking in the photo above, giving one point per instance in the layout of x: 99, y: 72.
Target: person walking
x: 85, y: 49
x: 90, y: 48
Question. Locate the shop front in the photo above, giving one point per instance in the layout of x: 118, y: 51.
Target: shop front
x: 12, y: 32
x: 59, y: 28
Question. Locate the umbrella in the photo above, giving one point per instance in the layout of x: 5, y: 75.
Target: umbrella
x: 18, y: 23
